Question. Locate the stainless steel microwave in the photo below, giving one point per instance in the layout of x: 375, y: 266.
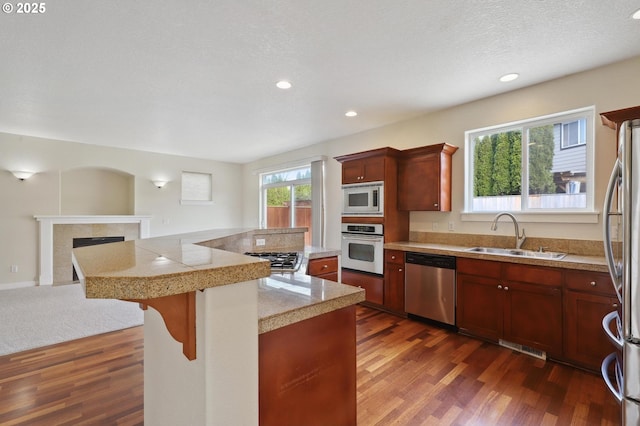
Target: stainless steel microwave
x: 363, y: 199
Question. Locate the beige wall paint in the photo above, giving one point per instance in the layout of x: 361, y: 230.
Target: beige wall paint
x: 607, y: 88
x: 44, y: 193
x: 88, y: 191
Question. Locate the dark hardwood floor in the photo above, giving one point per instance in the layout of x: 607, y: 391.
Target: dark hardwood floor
x: 409, y: 373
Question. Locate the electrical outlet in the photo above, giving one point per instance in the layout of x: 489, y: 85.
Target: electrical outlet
x: 451, y: 226
x: 14, y: 268
x: 260, y: 242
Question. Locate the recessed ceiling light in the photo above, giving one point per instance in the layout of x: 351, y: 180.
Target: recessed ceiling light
x: 509, y: 77
x: 636, y: 14
x: 350, y: 113
x: 283, y: 84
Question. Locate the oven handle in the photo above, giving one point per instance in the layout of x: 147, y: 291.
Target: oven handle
x: 367, y: 238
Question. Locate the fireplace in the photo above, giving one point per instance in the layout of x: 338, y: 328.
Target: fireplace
x: 92, y: 241
x: 58, y: 232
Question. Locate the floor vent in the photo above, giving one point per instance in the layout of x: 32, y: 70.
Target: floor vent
x: 524, y: 349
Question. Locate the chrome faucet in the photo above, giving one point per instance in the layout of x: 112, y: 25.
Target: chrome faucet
x: 519, y: 238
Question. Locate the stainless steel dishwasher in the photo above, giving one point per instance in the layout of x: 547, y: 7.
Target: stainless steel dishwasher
x: 430, y: 286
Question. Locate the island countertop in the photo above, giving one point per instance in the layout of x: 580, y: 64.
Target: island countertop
x: 170, y: 265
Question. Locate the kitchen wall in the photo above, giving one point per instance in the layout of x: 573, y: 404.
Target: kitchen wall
x: 607, y: 88
x: 66, y: 167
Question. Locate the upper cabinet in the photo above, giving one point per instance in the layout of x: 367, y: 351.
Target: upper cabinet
x: 424, y: 178
x: 613, y: 119
x: 367, y: 166
x: 358, y: 171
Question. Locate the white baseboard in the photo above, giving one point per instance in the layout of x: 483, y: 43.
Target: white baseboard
x: 22, y: 284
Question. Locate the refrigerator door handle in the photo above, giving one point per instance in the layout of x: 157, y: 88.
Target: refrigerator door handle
x: 604, y: 370
x: 606, y: 325
x: 616, y: 275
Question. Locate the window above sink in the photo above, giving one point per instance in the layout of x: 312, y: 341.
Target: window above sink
x: 539, y: 166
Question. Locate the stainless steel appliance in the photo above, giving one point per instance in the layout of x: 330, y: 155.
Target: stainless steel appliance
x: 363, y: 199
x: 622, y: 215
x: 362, y: 247
x: 430, y: 286
x: 280, y: 261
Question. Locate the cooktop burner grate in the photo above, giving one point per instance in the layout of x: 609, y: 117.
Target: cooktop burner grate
x: 280, y: 261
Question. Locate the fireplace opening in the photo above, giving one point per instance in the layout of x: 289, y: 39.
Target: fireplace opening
x: 92, y: 241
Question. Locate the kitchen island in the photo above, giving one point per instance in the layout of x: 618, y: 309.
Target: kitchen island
x: 233, y: 327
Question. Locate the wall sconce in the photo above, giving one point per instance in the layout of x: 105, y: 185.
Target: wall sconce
x: 22, y: 175
x: 159, y: 183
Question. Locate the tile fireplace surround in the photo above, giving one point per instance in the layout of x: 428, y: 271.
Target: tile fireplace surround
x: 57, y: 234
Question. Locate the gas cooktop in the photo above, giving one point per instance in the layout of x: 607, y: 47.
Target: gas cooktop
x: 280, y: 261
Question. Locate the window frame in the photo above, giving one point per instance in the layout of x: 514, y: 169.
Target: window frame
x: 588, y: 214
x: 197, y: 202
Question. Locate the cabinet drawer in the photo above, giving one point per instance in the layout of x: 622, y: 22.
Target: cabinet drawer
x: 533, y: 274
x: 322, y: 266
x: 394, y: 256
x: 372, y: 285
x: 485, y: 268
x: 594, y: 282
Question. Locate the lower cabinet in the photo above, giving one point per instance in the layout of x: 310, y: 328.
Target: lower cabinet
x: 324, y: 267
x: 307, y: 371
x: 394, y: 281
x: 589, y: 296
x: 372, y: 284
x: 518, y: 303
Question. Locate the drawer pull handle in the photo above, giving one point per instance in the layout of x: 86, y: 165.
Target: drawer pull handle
x: 499, y: 287
x: 393, y: 258
x: 400, y: 270
x: 593, y: 283
x: 325, y: 266
x: 506, y: 288
x: 615, y: 305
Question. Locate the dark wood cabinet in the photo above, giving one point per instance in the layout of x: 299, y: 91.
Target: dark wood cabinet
x: 307, y: 362
x: 378, y: 165
x: 394, y: 281
x: 480, y: 300
x: 518, y: 303
x: 424, y: 178
x: 324, y: 267
x: 589, y: 296
x: 363, y: 170
x: 372, y: 284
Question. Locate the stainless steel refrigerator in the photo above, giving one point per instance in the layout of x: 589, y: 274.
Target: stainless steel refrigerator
x: 621, y: 369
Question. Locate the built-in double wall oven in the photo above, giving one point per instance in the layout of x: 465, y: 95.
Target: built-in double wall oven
x: 362, y: 247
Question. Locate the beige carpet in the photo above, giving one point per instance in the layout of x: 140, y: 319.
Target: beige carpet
x: 33, y: 317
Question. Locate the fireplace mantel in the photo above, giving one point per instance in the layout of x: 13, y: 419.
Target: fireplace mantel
x: 46, y: 234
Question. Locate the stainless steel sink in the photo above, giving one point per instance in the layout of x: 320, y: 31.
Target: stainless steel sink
x: 552, y: 255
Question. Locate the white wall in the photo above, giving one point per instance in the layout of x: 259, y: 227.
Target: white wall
x: 41, y: 194
x: 608, y: 88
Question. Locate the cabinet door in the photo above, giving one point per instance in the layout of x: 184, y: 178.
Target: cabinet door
x: 394, y: 286
x: 363, y: 170
x: 352, y: 171
x: 480, y: 306
x: 585, y: 342
x: 372, y: 285
x: 533, y: 316
x: 419, y: 183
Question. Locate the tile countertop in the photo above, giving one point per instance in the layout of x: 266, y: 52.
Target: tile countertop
x: 584, y: 263
x: 164, y: 266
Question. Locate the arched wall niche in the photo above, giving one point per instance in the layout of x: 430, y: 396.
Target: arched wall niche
x: 96, y: 191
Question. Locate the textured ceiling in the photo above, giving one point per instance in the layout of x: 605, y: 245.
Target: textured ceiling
x: 198, y: 78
